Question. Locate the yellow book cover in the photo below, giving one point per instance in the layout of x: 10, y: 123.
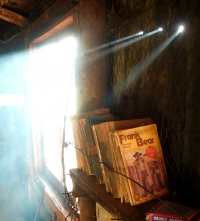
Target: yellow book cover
x: 106, y: 153
x: 143, y: 161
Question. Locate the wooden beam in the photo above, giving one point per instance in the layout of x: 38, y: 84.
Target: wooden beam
x: 68, y: 21
x: 89, y: 185
x: 57, y: 13
x: 55, y: 200
x: 13, y: 17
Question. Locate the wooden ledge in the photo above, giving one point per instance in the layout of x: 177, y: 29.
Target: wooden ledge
x: 88, y: 186
x: 54, y: 199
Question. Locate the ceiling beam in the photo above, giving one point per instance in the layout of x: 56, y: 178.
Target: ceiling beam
x: 13, y: 17
x: 50, y: 17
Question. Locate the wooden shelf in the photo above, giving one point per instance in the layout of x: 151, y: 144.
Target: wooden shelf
x: 85, y: 184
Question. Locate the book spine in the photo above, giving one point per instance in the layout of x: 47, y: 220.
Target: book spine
x: 113, y: 145
x: 90, y: 138
x: 100, y: 111
x: 77, y: 145
x: 124, y: 180
x: 124, y: 170
x: 119, y: 187
x: 80, y: 148
x: 113, y: 176
x: 107, y: 158
x: 99, y: 145
x: 100, y: 158
x: 87, y: 160
x: 97, y: 119
x: 93, y: 153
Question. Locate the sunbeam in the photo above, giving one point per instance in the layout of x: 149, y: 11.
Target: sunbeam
x: 118, y: 44
x: 180, y: 29
x: 139, y: 69
x: 112, y: 43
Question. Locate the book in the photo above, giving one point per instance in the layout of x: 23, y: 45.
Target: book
x: 91, y: 120
x: 99, y: 111
x: 83, y: 161
x: 170, y: 211
x: 105, y: 179
x: 142, y: 162
x: 125, y: 190
x: 106, y: 151
x: 82, y: 123
x: 89, y: 143
x: 93, y: 151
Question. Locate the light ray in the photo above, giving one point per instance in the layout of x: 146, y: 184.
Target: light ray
x: 112, y: 43
x: 140, y: 68
x: 120, y: 45
x: 180, y: 29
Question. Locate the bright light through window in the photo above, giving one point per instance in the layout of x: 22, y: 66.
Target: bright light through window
x: 16, y: 100
x: 52, y: 83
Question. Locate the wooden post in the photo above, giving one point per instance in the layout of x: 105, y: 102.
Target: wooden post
x: 92, y: 69
x: 13, y: 17
x: 87, y: 205
x: 87, y: 209
x: 92, y: 72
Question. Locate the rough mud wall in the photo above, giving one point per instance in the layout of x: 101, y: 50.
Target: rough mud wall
x: 162, y: 84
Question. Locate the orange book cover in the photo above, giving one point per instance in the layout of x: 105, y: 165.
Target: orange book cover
x: 143, y: 162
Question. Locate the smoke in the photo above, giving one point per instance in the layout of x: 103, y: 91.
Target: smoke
x: 13, y: 135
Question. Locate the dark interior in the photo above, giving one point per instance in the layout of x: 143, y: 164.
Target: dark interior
x: 156, y: 77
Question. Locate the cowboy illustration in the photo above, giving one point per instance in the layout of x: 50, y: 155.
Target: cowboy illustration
x: 142, y: 174
x: 159, y: 178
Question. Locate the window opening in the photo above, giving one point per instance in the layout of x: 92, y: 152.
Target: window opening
x: 52, y: 92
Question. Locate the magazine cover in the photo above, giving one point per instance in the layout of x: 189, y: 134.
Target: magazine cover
x: 171, y: 211
x: 143, y: 161
x: 106, y: 151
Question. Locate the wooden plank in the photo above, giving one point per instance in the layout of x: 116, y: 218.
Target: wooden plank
x: 87, y: 209
x: 55, y: 200
x: 112, y: 205
x: 13, y: 17
x: 57, y: 13
x: 68, y: 21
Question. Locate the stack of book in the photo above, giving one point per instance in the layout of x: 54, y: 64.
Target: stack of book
x: 125, y: 155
